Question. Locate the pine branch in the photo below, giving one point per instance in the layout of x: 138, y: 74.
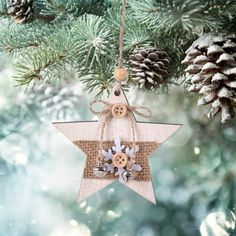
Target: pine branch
x: 172, y: 16
x: 49, y: 10
x: 3, y: 9
x: 45, y: 18
x: 135, y: 34
x: 223, y: 11
x: 93, y: 42
x: 43, y: 51
x: 47, y: 61
x: 16, y: 39
x: 218, y: 6
x: 42, y: 11
x: 99, y: 78
x: 76, y: 8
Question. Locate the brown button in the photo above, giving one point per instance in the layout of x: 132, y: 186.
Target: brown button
x: 119, y: 160
x: 119, y: 110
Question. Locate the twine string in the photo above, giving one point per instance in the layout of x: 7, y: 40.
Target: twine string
x: 132, y: 158
x: 121, y: 43
x: 122, y: 30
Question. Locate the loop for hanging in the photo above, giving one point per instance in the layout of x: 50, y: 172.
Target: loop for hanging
x: 105, y: 111
x: 141, y: 111
x: 121, y: 73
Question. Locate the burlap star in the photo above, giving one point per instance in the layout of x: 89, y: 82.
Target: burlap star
x: 86, y: 136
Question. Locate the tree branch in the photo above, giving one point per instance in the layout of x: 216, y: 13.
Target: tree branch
x: 45, y: 18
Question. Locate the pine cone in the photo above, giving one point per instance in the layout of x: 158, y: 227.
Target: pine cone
x: 58, y: 102
x: 148, y: 66
x: 212, y: 68
x: 22, y: 11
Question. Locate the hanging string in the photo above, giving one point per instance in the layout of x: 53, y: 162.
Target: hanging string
x: 120, y: 73
x: 122, y: 30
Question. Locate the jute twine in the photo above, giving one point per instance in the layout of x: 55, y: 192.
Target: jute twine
x: 90, y: 149
x: 122, y: 31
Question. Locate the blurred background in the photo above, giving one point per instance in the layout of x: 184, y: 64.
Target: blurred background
x: 40, y: 170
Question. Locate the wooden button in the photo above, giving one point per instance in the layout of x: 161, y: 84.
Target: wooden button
x: 119, y: 110
x: 119, y: 160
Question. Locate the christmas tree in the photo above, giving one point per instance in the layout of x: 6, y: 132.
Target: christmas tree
x: 57, y: 48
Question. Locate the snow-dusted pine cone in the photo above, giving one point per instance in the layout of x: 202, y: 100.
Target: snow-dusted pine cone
x: 211, y: 64
x: 58, y: 102
x: 148, y: 66
x: 22, y: 11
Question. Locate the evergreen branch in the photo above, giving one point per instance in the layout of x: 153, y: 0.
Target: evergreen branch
x: 135, y: 33
x: 42, y: 7
x: 92, y: 40
x: 99, y: 78
x: 3, y: 14
x: 218, y: 6
x: 173, y: 16
x: 47, y: 61
x: 45, y: 18
x: 135, y: 36
x: 223, y: 11
x: 228, y: 23
x: 3, y: 7
x: 175, y: 48
x: 113, y: 18
x: 17, y: 39
x: 75, y: 8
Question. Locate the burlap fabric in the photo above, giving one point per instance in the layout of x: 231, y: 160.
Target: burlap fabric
x: 91, y: 149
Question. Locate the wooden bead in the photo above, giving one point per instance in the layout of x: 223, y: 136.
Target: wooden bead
x: 120, y: 74
x: 119, y: 110
x: 119, y: 160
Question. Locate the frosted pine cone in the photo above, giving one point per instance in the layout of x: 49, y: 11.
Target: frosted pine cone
x: 148, y: 66
x: 22, y: 11
x: 57, y: 102
x: 212, y: 69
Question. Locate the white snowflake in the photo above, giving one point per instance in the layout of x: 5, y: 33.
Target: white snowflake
x: 130, y: 152
x: 107, y: 154
x: 118, y: 147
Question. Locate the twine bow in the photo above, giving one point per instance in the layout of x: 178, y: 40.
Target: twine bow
x: 107, y: 110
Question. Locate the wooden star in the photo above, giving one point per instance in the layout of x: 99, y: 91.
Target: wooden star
x: 86, y: 136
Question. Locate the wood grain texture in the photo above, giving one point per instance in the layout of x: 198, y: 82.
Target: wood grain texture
x: 90, y: 186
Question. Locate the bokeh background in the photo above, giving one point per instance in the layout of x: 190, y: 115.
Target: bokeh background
x: 40, y: 170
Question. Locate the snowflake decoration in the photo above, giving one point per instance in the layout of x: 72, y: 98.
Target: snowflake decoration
x: 118, y: 148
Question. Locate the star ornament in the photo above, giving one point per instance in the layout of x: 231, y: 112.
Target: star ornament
x: 87, y: 136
